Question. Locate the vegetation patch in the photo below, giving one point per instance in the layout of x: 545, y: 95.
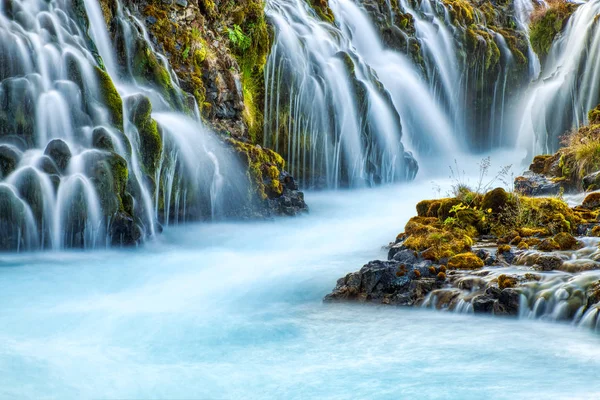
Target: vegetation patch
x: 547, y: 23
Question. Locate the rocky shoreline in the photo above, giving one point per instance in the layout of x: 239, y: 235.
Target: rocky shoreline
x: 498, y: 253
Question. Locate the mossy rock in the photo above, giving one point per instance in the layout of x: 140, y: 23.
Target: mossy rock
x: 322, y: 9
x: 151, y: 143
x: 446, y: 206
x: 264, y: 168
x: 9, y: 159
x: 428, y: 208
x: 465, y: 261
x: 496, y: 200
x: 566, y: 241
x: 548, y: 245
x: 539, y: 164
x: 592, y: 201
x: 507, y: 281
x: 110, y: 97
x: 594, y: 115
x: 544, y: 28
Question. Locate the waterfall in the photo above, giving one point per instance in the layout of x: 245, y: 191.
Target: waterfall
x: 568, y: 86
x: 344, y: 107
x: 83, y: 163
x: 325, y: 108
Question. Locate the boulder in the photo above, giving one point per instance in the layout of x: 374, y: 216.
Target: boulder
x: 60, y: 153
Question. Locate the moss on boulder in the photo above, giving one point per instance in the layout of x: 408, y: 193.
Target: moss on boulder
x: 547, y: 23
x: 140, y: 112
x: 264, y: 168
x: 110, y: 97
x: 465, y: 261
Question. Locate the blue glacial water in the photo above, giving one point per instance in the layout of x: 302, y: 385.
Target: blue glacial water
x: 233, y: 310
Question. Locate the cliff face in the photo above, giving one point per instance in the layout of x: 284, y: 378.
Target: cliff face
x: 218, y: 50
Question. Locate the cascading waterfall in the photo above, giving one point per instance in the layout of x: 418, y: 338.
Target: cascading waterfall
x: 74, y: 162
x: 338, y: 100
x: 325, y: 107
x: 569, y: 84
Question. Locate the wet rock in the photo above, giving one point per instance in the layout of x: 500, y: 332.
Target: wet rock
x: 591, y: 201
x: 47, y: 165
x: 102, y: 140
x: 386, y: 282
x: 531, y: 184
x: 60, y: 153
x: 548, y: 263
x: 507, y: 303
x: 483, y: 304
x: 124, y: 231
x: 406, y: 256
x: 591, y: 180
x: 9, y: 159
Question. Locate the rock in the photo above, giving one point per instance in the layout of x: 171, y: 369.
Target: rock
x: 548, y: 245
x: 151, y: 143
x: 406, y: 256
x: 495, y: 200
x: 483, y: 304
x: 591, y: 201
x: 124, y: 231
x: 508, y: 303
x: 9, y: 159
x: 386, y: 282
x: 507, y: 281
x: 548, y: 263
x: 591, y: 180
x: 465, y: 261
x: 47, y: 165
x: 506, y: 254
x: 531, y: 184
x: 566, y: 241
x: 60, y: 153
x: 539, y: 164
x: 102, y: 140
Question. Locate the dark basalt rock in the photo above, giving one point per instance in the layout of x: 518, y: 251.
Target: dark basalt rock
x: 9, y: 159
x: 291, y: 202
x: 102, y: 140
x: 124, y: 231
x: 60, y: 153
x: 386, y: 282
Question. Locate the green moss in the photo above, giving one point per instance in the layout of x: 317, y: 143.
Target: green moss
x: 461, y: 11
x: 465, y: 261
x: 547, y: 25
x: 150, y: 138
x: 495, y: 200
x: 594, y: 115
x: 264, y: 167
x: 110, y: 97
x: 322, y: 9
x: 566, y: 241
x: 548, y: 245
